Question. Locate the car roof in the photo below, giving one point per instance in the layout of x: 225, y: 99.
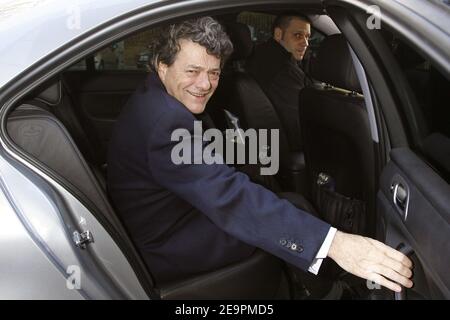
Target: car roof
x: 31, y: 29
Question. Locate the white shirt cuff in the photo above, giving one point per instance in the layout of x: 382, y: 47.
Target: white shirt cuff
x: 323, y: 252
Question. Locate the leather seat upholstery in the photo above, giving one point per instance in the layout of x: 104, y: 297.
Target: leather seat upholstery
x: 55, y: 99
x: 335, y: 125
x: 240, y: 93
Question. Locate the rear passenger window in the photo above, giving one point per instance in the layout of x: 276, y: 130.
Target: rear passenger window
x: 316, y: 38
x: 260, y: 25
x: 432, y: 91
x: 129, y: 54
x: 80, y: 65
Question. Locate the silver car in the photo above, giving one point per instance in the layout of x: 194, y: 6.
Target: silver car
x: 60, y: 237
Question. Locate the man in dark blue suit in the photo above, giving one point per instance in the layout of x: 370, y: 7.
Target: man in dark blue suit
x: 192, y: 218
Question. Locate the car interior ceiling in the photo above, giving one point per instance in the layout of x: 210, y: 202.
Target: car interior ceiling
x: 73, y: 142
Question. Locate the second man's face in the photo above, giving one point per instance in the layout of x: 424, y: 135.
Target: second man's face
x: 295, y: 38
x: 193, y: 77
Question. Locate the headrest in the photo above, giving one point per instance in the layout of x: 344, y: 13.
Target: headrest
x: 333, y: 64
x: 240, y: 35
x: 51, y: 95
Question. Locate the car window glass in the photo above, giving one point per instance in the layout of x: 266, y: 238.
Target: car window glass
x: 131, y: 53
x: 260, y: 25
x: 432, y: 92
x: 80, y: 65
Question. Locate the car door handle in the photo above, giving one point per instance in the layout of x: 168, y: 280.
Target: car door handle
x: 400, y: 198
x: 407, y: 251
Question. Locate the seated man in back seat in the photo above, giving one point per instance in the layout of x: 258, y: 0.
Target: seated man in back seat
x: 190, y: 218
x: 281, y: 76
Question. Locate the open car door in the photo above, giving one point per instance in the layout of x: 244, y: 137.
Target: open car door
x: 414, y: 206
x: 407, y: 63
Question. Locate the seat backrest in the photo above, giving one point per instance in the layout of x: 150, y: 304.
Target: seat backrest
x: 40, y: 134
x: 54, y: 99
x: 57, y: 100
x: 336, y: 129
x: 239, y: 93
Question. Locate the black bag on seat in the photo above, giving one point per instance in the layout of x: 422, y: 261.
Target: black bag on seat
x: 344, y: 213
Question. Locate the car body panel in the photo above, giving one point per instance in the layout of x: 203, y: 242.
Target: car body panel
x: 28, y: 273
x: 22, y: 44
x: 37, y: 241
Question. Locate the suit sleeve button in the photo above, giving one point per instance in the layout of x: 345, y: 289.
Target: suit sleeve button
x: 296, y: 247
x: 283, y: 242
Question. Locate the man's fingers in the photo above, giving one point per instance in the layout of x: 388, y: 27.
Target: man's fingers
x: 375, y: 277
x: 394, y: 254
x: 397, y: 267
x: 400, y: 257
x: 390, y: 274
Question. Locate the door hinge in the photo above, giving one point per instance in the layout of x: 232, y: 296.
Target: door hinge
x: 82, y: 239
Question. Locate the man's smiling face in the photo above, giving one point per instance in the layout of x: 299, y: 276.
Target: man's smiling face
x: 193, y: 77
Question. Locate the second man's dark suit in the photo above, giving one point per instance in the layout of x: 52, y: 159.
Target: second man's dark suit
x: 281, y: 78
x: 191, y: 218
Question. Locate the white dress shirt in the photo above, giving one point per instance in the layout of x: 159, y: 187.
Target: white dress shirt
x: 323, y: 251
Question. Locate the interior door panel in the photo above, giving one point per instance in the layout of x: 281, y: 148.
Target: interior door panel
x: 414, y: 210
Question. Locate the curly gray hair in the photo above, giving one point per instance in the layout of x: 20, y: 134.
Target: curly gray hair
x: 205, y: 31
